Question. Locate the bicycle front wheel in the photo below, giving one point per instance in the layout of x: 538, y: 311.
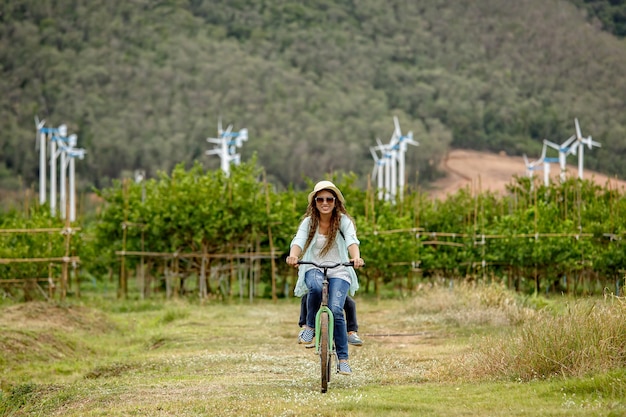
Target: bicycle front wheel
x: 324, y: 350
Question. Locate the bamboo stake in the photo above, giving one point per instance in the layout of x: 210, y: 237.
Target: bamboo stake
x: 231, y: 275
x: 271, y: 240
x: 176, y: 275
x: 202, y: 284
x: 76, y: 270
x: 37, y: 260
x: 64, y: 266
x: 535, y: 241
x: 142, y: 273
x: 39, y: 230
x: 21, y: 280
x: 121, y: 290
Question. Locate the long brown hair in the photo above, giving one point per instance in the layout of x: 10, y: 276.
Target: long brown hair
x: 335, y: 221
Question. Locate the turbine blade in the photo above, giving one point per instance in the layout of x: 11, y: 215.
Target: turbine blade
x: 591, y: 143
x: 243, y: 134
x: 551, y: 144
x: 569, y: 141
x: 396, y: 124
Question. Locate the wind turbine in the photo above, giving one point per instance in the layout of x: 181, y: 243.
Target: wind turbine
x: 391, y: 163
x: 73, y: 154
x: 533, y: 166
x: 56, y: 135
x: 580, y: 143
x: 68, y: 152
x: 238, y: 138
x: 377, y: 172
x: 392, y: 154
x: 542, y: 163
x: 564, y: 149
x: 388, y: 162
x: 546, y: 169
x: 40, y: 142
x: 402, y: 141
x: 547, y: 161
x: 227, y: 142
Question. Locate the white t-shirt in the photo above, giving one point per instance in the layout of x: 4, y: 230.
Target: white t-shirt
x: 332, y: 257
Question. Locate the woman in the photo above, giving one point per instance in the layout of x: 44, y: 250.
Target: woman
x: 327, y: 234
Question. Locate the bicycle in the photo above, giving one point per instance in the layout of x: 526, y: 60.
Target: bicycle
x: 324, y: 325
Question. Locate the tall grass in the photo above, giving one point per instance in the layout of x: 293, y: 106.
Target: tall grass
x: 467, y: 305
x: 587, y: 337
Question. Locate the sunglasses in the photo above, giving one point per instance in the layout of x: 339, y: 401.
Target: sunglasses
x: 328, y: 199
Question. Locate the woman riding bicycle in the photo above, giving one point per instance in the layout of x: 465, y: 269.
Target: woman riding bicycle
x: 326, y: 234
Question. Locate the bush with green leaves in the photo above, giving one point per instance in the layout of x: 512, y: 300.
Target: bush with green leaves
x: 565, y: 237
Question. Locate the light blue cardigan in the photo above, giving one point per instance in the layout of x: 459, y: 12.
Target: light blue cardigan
x: 343, y: 241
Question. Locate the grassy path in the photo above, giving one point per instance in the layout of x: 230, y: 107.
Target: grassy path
x: 179, y: 359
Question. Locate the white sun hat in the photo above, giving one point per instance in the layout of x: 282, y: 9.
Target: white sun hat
x: 326, y: 185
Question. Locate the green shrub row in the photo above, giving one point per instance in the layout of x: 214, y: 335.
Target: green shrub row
x: 565, y: 237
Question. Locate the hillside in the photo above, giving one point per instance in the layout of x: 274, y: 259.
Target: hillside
x: 142, y: 85
x: 489, y: 171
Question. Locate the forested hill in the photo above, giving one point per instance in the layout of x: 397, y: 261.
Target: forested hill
x: 142, y: 83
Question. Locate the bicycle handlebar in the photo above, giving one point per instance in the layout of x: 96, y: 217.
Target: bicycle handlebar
x: 328, y: 266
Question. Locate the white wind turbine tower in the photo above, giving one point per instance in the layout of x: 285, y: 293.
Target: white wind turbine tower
x: 378, y: 171
x: 227, y: 142
x: 393, y: 148
x: 68, y: 154
x: 237, y: 142
x: 389, y: 167
x: 40, y: 141
x: 402, y: 141
x: 564, y: 149
x: 73, y: 154
x: 43, y: 135
x: 580, y: 144
x: 389, y: 159
x: 386, y: 163
x: 62, y: 133
x: 533, y: 166
x: 546, y: 162
x: 546, y: 169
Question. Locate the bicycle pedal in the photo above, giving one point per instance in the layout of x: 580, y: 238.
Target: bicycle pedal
x: 310, y: 345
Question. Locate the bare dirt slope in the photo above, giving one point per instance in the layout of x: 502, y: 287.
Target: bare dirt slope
x: 482, y: 171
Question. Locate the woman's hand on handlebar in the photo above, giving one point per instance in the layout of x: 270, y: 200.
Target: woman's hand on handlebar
x: 357, y: 262
x: 292, y: 260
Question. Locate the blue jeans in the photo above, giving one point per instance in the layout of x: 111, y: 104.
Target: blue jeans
x: 337, y: 292
x: 349, y: 308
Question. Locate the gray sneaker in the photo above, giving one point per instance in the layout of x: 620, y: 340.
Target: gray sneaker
x: 343, y: 368
x: 306, y: 336
x: 354, y: 339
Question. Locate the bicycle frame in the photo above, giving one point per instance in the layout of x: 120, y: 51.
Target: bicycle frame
x: 331, y: 319
x: 324, y: 340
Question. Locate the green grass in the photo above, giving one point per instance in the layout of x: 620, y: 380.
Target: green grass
x: 183, y: 358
